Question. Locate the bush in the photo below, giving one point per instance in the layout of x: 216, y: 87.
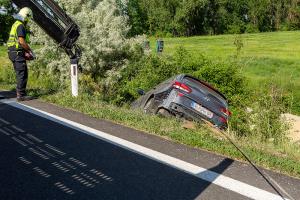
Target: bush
x: 149, y: 71
x: 227, y: 78
x: 145, y: 73
x: 255, y: 114
x: 260, y: 116
x: 152, y: 70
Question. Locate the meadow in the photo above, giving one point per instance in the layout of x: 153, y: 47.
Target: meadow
x: 264, y: 57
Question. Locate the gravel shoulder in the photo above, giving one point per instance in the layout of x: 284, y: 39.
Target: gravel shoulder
x: 294, y: 122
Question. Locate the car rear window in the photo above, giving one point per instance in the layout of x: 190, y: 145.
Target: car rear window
x: 206, y: 87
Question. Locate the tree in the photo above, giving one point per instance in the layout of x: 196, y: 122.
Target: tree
x: 196, y: 17
x: 137, y: 18
x: 293, y: 14
x: 191, y: 17
x: 6, y: 19
x: 104, y: 42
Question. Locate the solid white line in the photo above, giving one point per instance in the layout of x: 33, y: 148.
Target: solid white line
x: 202, y: 173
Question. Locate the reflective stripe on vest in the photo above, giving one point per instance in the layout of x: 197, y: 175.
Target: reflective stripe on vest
x: 13, y: 40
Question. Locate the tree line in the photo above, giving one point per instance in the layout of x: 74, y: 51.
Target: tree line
x: 196, y: 17
x: 202, y: 17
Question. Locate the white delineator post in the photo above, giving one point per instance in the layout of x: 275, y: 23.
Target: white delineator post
x: 74, y: 76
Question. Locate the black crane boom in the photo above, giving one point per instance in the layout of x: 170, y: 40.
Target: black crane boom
x: 55, y: 22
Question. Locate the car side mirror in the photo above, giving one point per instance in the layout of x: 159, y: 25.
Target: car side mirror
x: 141, y: 92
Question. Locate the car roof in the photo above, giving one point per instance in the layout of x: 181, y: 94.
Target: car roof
x: 182, y: 76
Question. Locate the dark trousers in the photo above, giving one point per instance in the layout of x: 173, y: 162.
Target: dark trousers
x: 21, y: 70
x: 21, y: 76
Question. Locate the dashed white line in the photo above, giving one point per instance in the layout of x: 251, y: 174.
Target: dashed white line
x: 4, y: 132
x: 24, y: 139
x: 8, y: 130
x: 18, y: 129
x: 30, y: 136
x: 24, y: 160
x: 46, y: 152
x: 36, y: 152
x: 55, y: 149
x: 19, y: 141
x: 4, y: 121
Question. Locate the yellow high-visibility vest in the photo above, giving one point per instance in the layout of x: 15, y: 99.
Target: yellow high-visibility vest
x: 13, y: 40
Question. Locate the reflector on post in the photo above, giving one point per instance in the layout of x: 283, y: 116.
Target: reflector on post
x: 74, y: 76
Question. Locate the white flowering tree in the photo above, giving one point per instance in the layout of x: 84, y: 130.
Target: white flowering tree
x: 103, y: 40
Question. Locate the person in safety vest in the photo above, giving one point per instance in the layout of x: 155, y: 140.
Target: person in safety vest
x: 19, y: 51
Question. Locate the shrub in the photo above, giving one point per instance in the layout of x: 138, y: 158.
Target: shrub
x: 145, y: 73
x: 260, y: 117
x: 152, y: 70
x: 227, y: 78
x: 105, y: 46
x: 255, y: 113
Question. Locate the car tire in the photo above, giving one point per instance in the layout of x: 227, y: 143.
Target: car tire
x: 148, y: 108
x: 164, y: 112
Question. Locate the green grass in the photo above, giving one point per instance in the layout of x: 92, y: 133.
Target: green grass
x: 3, y: 57
x: 284, y: 159
x: 265, y: 57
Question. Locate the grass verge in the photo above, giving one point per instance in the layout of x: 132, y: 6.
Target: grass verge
x: 278, y: 159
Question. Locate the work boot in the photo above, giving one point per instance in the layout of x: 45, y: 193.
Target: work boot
x: 24, y: 98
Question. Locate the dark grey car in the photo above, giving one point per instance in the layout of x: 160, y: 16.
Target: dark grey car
x: 187, y: 97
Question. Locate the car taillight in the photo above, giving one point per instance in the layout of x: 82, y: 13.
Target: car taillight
x: 223, y: 120
x: 226, y: 111
x: 182, y: 86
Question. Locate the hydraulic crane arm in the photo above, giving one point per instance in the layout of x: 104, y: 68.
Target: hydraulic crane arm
x: 60, y: 27
x: 55, y: 22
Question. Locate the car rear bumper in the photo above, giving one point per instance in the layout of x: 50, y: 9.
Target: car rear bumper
x: 181, y: 105
x: 190, y: 114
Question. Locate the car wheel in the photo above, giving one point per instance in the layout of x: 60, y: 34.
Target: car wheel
x: 149, y: 106
x: 164, y: 112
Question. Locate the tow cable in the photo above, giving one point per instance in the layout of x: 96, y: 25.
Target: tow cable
x: 279, y: 190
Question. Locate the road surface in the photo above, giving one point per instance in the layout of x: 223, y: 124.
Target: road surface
x: 49, y: 152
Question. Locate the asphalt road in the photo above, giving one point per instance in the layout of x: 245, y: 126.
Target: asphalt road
x: 44, y: 158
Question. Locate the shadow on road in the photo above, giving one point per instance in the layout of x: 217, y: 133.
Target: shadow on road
x: 8, y: 94
x: 42, y: 159
x: 213, y: 173
x: 32, y: 92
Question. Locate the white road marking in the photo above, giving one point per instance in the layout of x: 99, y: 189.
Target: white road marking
x: 30, y: 136
x: 18, y: 129
x: 4, y: 121
x: 19, y: 141
x: 36, y: 152
x: 55, y: 149
x: 24, y: 160
x: 4, y: 132
x: 202, y: 173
